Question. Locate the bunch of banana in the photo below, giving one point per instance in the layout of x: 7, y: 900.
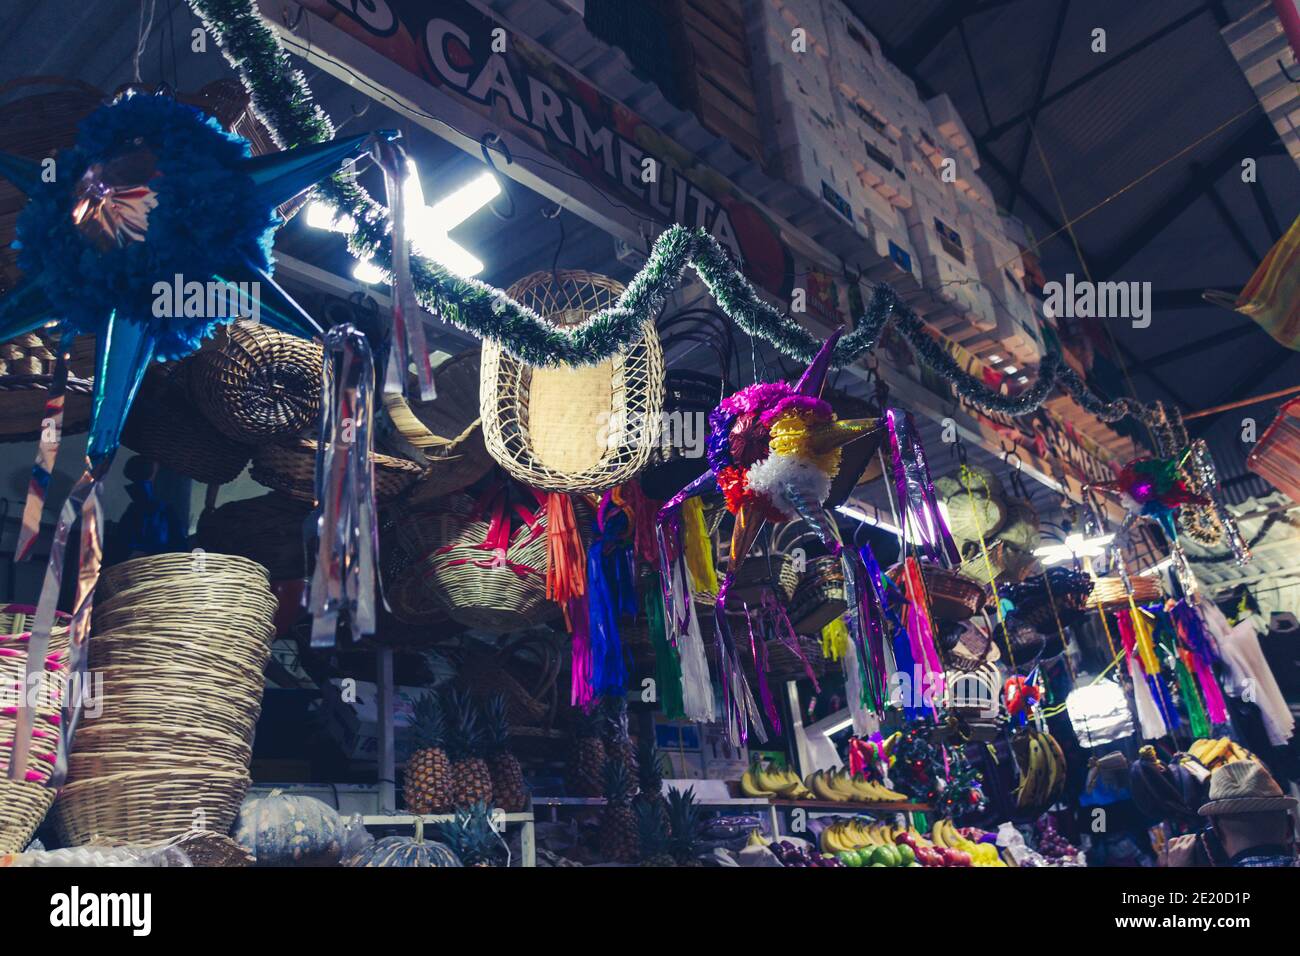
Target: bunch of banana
x: 838, y: 786
x: 762, y: 781
x: 852, y: 834
x: 756, y: 838
x: 947, y: 836
x: 1042, y: 768
x: 1214, y: 753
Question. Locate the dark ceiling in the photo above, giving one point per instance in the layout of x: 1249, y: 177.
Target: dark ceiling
x: 1139, y: 150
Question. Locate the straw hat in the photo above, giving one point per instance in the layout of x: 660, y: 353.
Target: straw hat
x: 1244, y: 786
x: 572, y: 428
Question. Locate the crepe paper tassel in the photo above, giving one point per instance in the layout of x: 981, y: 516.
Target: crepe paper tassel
x: 407, y: 345
x: 1153, y: 712
x: 47, y: 452
x: 758, y: 650
x: 1140, y: 621
x: 1196, y: 717
x: 668, y: 668
x: 739, y: 709
x: 343, y: 581
x: 919, y: 628
x: 581, y: 691
x: 916, y: 495
x: 681, y: 621
x: 566, y: 577
x: 698, y: 548
x: 608, y: 595
x: 641, y: 512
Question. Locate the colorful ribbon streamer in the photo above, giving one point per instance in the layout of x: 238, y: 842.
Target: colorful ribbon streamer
x: 47, y: 452
x: 343, y: 580
x: 922, y: 522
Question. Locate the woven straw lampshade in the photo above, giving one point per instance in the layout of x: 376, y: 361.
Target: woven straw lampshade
x: 572, y: 428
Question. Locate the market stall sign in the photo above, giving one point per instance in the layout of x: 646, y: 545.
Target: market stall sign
x: 521, y: 88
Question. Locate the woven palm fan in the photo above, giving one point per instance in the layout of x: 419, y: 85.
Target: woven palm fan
x: 983, y: 511
x: 572, y: 428
x: 442, y: 434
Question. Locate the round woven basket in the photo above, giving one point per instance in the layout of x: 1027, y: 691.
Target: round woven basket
x: 15, y: 638
x: 165, y: 426
x: 572, y: 428
x: 443, y: 434
x: 477, y: 588
x: 819, y: 598
x: 148, y: 806
x: 218, y: 572
x: 26, y: 371
x: 1109, y: 592
x: 267, y: 529
x: 23, y: 806
x: 289, y: 467
x: 953, y: 596
x: 258, y: 383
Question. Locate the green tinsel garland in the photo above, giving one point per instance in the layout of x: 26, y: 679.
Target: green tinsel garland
x: 284, y: 103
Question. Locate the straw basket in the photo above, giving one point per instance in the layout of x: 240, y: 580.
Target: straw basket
x: 26, y: 371
x: 820, y: 597
x: 180, y: 643
x: 480, y: 589
x: 1109, y: 592
x: 267, y: 529
x: 289, y: 467
x: 524, y: 669
x: 572, y: 428
x: 165, y: 426
x: 258, y: 383
x: 24, y: 803
x: 443, y: 434
x: 953, y: 596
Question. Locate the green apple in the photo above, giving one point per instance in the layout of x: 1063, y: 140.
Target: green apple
x: 850, y: 858
x: 905, y: 855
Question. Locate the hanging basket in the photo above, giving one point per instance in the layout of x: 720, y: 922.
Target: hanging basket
x: 443, y: 435
x: 952, y: 595
x: 820, y: 597
x: 26, y: 371
x: 164, y: 425
x: 496, y: 591
x: 289, y: 467
x: 258, y: 383
x: 1109, y: 592
x: 1034, y: 602
x: 572, y: 428
x: 524, y: 669
x: 267, y: 529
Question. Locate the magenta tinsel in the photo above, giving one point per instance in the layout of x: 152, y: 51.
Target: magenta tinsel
x: 808, y: 404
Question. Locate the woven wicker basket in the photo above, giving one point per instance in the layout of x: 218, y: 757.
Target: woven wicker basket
x: 443, y: 435
x: 820, y: 597
x: 165, y: 426
x: 572, y: 428
x: 15, y: 636
x: 952, y: 595
x: 267, y: 529
x: 23, y: 806
x: 1109, y: 592
x: 289, y: 467
x: 26, y: 370
x: 524, y: 669
x: 478, y: 590
x: 148, y: 806
x: 258, y: 383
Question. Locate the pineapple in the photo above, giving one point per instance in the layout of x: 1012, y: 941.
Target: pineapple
x: 650, y: 774
x: 618, y: 839
x: 684, y: 818
x: 507, y: 776
x: 471, y: 781
x: 617, y: 742
x: 427, y: 783
x: 587, y: 758
x: 471, y: 837
x: 652, y: 834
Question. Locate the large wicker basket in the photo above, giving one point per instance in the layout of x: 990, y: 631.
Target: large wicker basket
x: 1109, y: 592
x: 443, y: 435
x: 479, y: 589
x: 289, y: 467
x: 820, y: 597
x: 165, y: 426
x: 180, y: 641
x: 23, y: 806
x: 572, y: 428
x: 258, y: 383
x: 267, y: 529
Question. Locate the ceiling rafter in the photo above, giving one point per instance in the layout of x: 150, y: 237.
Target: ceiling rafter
x: 1044, y: 75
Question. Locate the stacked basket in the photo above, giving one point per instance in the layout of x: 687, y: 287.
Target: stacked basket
x: 179, y: 642
x: 24, y: 803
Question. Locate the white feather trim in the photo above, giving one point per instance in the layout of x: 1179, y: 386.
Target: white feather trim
x: 770, y: 476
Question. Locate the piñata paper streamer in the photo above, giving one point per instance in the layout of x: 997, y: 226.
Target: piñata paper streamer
x: 668, y: 667
x: 916, y: 494
x: 47, y: 452
x: 699, y: 549
x: 682, y: 623
x: 343, y: 581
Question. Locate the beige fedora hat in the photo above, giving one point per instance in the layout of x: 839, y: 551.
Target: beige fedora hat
x: 1244, y: 786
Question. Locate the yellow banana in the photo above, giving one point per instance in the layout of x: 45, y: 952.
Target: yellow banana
x: 750, y: 787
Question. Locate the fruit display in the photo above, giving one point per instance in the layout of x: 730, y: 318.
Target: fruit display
x: 831, y: 786
x: 1052, y: 845
x: 857, y: 842
x: 1214, y: 753
x: 426, y: 786
x: 1042, y: 768
x: 586, y: 765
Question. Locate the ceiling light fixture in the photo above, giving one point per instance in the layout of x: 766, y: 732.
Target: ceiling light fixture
x: 1074, y: 546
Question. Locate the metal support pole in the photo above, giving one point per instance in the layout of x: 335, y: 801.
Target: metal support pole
x: 387, y: 757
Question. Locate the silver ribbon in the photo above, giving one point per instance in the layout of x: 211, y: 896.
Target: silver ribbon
x: 345, y: 517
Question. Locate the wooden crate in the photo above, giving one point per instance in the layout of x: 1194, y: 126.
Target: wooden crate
x: 718, y: 82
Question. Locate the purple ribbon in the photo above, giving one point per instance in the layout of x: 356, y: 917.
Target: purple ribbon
x: 916, y: 495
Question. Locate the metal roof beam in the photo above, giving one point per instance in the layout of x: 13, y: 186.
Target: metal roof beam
x: 1204, y: 177
x: 1043, y: 76
x: 1243, y: 386
x: 1200, y: 345
x: 1110, y: 63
